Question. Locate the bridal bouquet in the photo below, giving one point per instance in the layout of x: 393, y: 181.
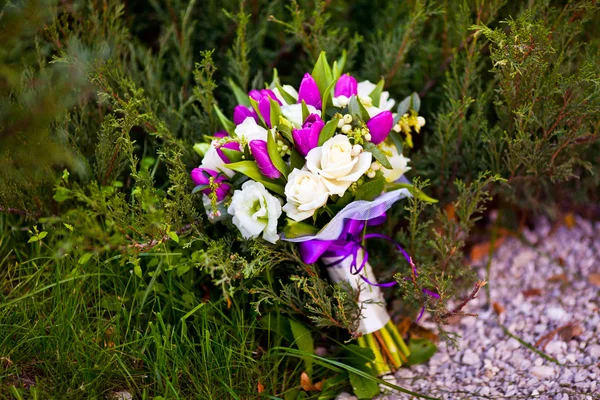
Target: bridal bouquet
x: 316, y: 166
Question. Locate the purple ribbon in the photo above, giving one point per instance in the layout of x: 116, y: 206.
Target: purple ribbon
x: 349, y: 244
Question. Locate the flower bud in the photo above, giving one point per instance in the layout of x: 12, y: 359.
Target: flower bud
x: 307, y: 138
x: 309, y: 92
x: 241, y: 112
x: 346, y: 86
x: 421, y: 121
x: 380, y: 126
x: 259, y: 151
x: 356, y: 150
x: 343, y: 101
x: 347, y: 118
x: 346, y: 128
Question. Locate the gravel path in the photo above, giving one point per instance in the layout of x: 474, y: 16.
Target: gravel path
x: 541, y: 286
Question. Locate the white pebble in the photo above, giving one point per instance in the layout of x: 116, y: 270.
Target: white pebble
x: 542, y: 372
x: 470, y: 358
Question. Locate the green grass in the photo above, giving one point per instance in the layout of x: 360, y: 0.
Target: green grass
x: 74, y: 330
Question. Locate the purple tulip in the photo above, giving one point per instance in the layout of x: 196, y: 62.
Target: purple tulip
x: 346, y: 86
x: 254, y: 94
x: 309, y: 92
x: 201, y: 176
x: 307, y: 138
x: 241, y: 112
x: 271, y: 94
x: 228, y: 145
x: 380, y: 126
x: 264, y: 106
x: 258, y: 148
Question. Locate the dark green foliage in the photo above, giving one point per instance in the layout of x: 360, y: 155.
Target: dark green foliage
x: 102, y: 101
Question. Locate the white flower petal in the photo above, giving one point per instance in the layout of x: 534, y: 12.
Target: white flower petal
x: 250, y: 130
x: 336, y: 186
x: 364, y: 163
x: 213, y: 161
x: 293, y: 113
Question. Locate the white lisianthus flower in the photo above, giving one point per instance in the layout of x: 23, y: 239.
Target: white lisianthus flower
x: 293, y: 113
x: 289, y: 89
x: 385, y: 103
x: 249, y: 130
x: 398, y: 161
x: 255, y: 211
x: 337, y: 164
x: 213, y: 161
x: 305, y: 193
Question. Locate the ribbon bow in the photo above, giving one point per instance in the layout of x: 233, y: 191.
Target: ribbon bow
x: 350, y: 245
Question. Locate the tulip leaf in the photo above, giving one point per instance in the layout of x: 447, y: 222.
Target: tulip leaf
x: 395, y: 138
x: 254, y: 105
x: 305, y: 111
x: 285, y: 128
x: 421, y: 350
x: 371, y: 189
x: 199, y: 188
x: 250, y: 169
x: 322, y: 73
x: 413, y: 190
x: 412, y: 102
x: 226, y: 122
x: 338, y: 66
x: 296, y: 160
x: 327, y: 100
x: 378, y: 154
x: 357, y: 110
x: 275, y: 112
x: 294, y: 229
x: 415, y: 103
x: 304, y: 341
x: 375, y: 95
x: 275, y: 80
x: 201, y: 148
x: 328, y: 130
x: 275, y: 157
x: 232, y: 155
x: 240, y: 96
x: 286, y: 96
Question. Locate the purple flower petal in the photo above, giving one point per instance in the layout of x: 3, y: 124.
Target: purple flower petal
x: 259, y: 151
x: 309, y: 92
x: 346, y: 86
x: 307, y: 138
x: 380, y: 126
x: 241, y: 112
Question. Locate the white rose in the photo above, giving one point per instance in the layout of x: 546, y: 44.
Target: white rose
x: 305, y: 192
x: 254, y: 211
x: 293, y: 113
x: 289, y: 90
x: 398, y: 161
x: 385, y: 103
x: 249, y: 130
x: 212, y: 161
x: 337, y: 166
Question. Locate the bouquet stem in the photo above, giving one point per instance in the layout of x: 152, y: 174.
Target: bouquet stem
x: 389, y: 349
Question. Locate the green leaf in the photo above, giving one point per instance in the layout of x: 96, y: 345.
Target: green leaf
x: 304, y: 341
x: 33, y: 239
x: 137, y: 270
x: 375, y: 95
x: 275, y: 112
x: 415, y: 102
x: 403, y: 106
x: 357, y: 110
x: 395, y: 138
x: 294, y: 229
x: 370, y: 190
x: 421, y: 350
x: 363, y: 387
x: 232, y: 155
x: 413, y: 190
x: 226, y: 122
x: 250, y: 169
x: 199, y: 188
x: 61, y: 194
x: 378, y: 154
x: 201, y: 148
x: 68, y: 226
x: 412, y: 102
x: 274, y: 155
x: 296, y: 160
x: 328, y: 130
x: 277, y: 324
x: 285, y: 128
x: 305, y: 112
x: 286, y: 96
x: 240, y: 96
x: 85, y: 258
x: 173, y: 235
x: 322, y: 73
x: 42, y: 235
x: 338, y: 66
x: 327, y: 101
